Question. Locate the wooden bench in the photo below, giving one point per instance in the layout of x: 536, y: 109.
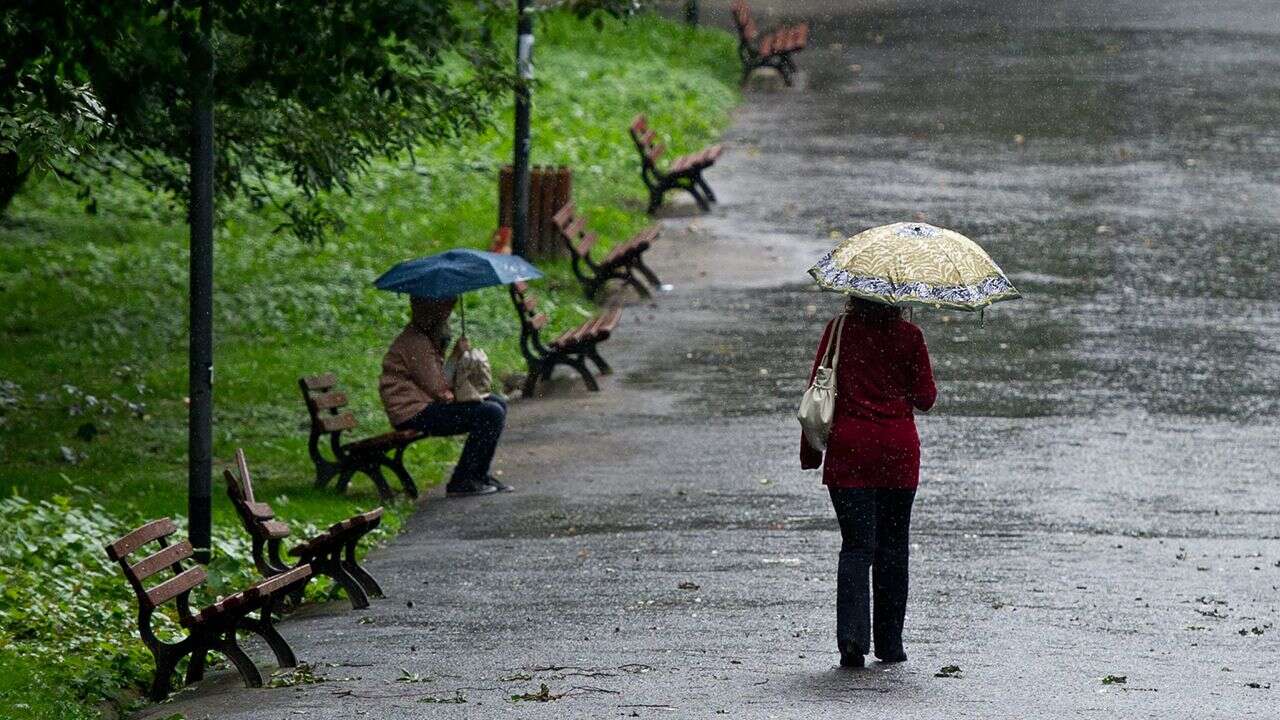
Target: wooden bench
x: 213, y: 628
x: 772, y: 50
x: 573, y: 347
x: 622, y: 262
x: 684, y: 173
x: 331, y: 553
x: 369, y: 456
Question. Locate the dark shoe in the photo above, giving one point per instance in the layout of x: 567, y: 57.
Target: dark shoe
x: 852, y: 660
x: 896, y: 656
x: 468, y: 488
x: 492, y: 481
x: 852, y: 657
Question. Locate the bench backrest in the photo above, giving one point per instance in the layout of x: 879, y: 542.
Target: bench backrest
x: 166, y: 557
x: 257, y: 517
x: 742, y: 18
x: 643, y: 136
x: 573, y: 230
x: 325, y: 404
x: 531, y: 321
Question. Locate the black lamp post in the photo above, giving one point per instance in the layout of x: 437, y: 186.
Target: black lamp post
x: 520, y: 166
x: 200, y: 364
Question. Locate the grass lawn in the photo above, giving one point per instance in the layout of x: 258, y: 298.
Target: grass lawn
x: 93, y: 340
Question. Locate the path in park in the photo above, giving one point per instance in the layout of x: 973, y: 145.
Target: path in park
x: 1099, y: 476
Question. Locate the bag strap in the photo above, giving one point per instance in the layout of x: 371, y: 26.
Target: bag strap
x: 833, y: 345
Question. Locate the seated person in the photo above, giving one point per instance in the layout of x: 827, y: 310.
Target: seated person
x: 416, y: 393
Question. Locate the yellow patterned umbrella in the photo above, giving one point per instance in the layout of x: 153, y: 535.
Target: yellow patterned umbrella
x: 914, y: 264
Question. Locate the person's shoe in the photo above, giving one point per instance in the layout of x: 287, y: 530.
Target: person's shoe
x: 492, y: 481
x: 852, y: 657
x: 468, y: 488
x: 896, y: 655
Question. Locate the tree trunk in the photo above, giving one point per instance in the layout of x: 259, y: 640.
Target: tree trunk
x: 11, y: 179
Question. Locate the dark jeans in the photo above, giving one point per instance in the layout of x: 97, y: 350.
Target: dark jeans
x: 875, y: 526
x: 481, y: 421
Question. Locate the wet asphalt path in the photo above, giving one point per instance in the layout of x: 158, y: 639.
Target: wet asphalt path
x: 1099, y: 478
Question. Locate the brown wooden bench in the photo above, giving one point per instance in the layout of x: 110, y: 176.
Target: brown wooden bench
x: 622, y: 262
x: 573, y: 347
x: 770, y: 50
x: 368, y: 456
x: 684, y: 173
x: 331, y: 553
x: 213, y: 628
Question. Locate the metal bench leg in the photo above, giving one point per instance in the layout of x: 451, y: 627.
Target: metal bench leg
x: 355, y: 592
x: 265, y: 629
x: 702, y: 202
x: 638, y: 286
x: 706, y: 189
x: 531, y: 380
x: 785, y: 69
x: 362, y: 576
x: 385, y: 492
x: 231, y: 650
x: 396, y: 465
x: 655, y: 199
x: 599, y: 361
x: 195, y: 666
x: 648, y: 273
x: 344, y: 479
x: 581, y: 366
x: 372, y: 468
x: 162, y: 683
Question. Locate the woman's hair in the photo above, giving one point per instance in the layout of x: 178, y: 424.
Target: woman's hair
x: 872, y: 311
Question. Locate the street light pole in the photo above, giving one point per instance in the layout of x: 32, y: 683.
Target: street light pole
x: 200, y: 351
x: 520, y: 166
x: 691, y: 12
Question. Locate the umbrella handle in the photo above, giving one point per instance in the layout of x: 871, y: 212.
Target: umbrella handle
x: 462, y: 312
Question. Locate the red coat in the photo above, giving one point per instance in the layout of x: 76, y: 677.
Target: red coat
x: 882, y: 376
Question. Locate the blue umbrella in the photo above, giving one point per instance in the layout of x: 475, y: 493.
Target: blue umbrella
x: 453, y: 272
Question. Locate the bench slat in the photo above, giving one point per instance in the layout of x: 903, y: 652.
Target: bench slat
x: 276, y: 583
x: 245, y: 481
x: 172, y: 588
x: 564, y: 214
x: 320, y: 383
x: 588, y: 241
x: 160, y: 560
x: 539, y: 321
x: 274, y: 529
x: 336, y: 423
x: 259, y: 510
x: 575, y: 228
x: 153, y: 530
x: 329, y: 400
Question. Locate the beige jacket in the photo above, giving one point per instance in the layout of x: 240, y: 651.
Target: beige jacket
x: 413, y: 374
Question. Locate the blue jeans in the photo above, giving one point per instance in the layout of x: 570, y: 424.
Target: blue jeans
x: 481, y: 421
x: 875, y: 528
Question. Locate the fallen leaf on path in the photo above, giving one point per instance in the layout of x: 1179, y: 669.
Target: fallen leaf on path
x: 1115, y: 679
x: 544, y: 694
x: 949, y: 671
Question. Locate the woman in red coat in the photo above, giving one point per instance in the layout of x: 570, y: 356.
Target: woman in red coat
x: 871, y: 469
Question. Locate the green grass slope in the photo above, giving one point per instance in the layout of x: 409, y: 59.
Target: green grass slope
x: 93, y: 339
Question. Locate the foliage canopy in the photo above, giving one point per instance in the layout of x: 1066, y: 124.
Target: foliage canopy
x: 306, y: 94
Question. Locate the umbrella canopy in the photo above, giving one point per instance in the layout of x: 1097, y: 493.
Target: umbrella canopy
x: 908, y: 264
x: 454, y: 272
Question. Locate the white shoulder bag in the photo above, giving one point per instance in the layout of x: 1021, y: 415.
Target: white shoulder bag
x: 472, y: 376
x: 818, y: 406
